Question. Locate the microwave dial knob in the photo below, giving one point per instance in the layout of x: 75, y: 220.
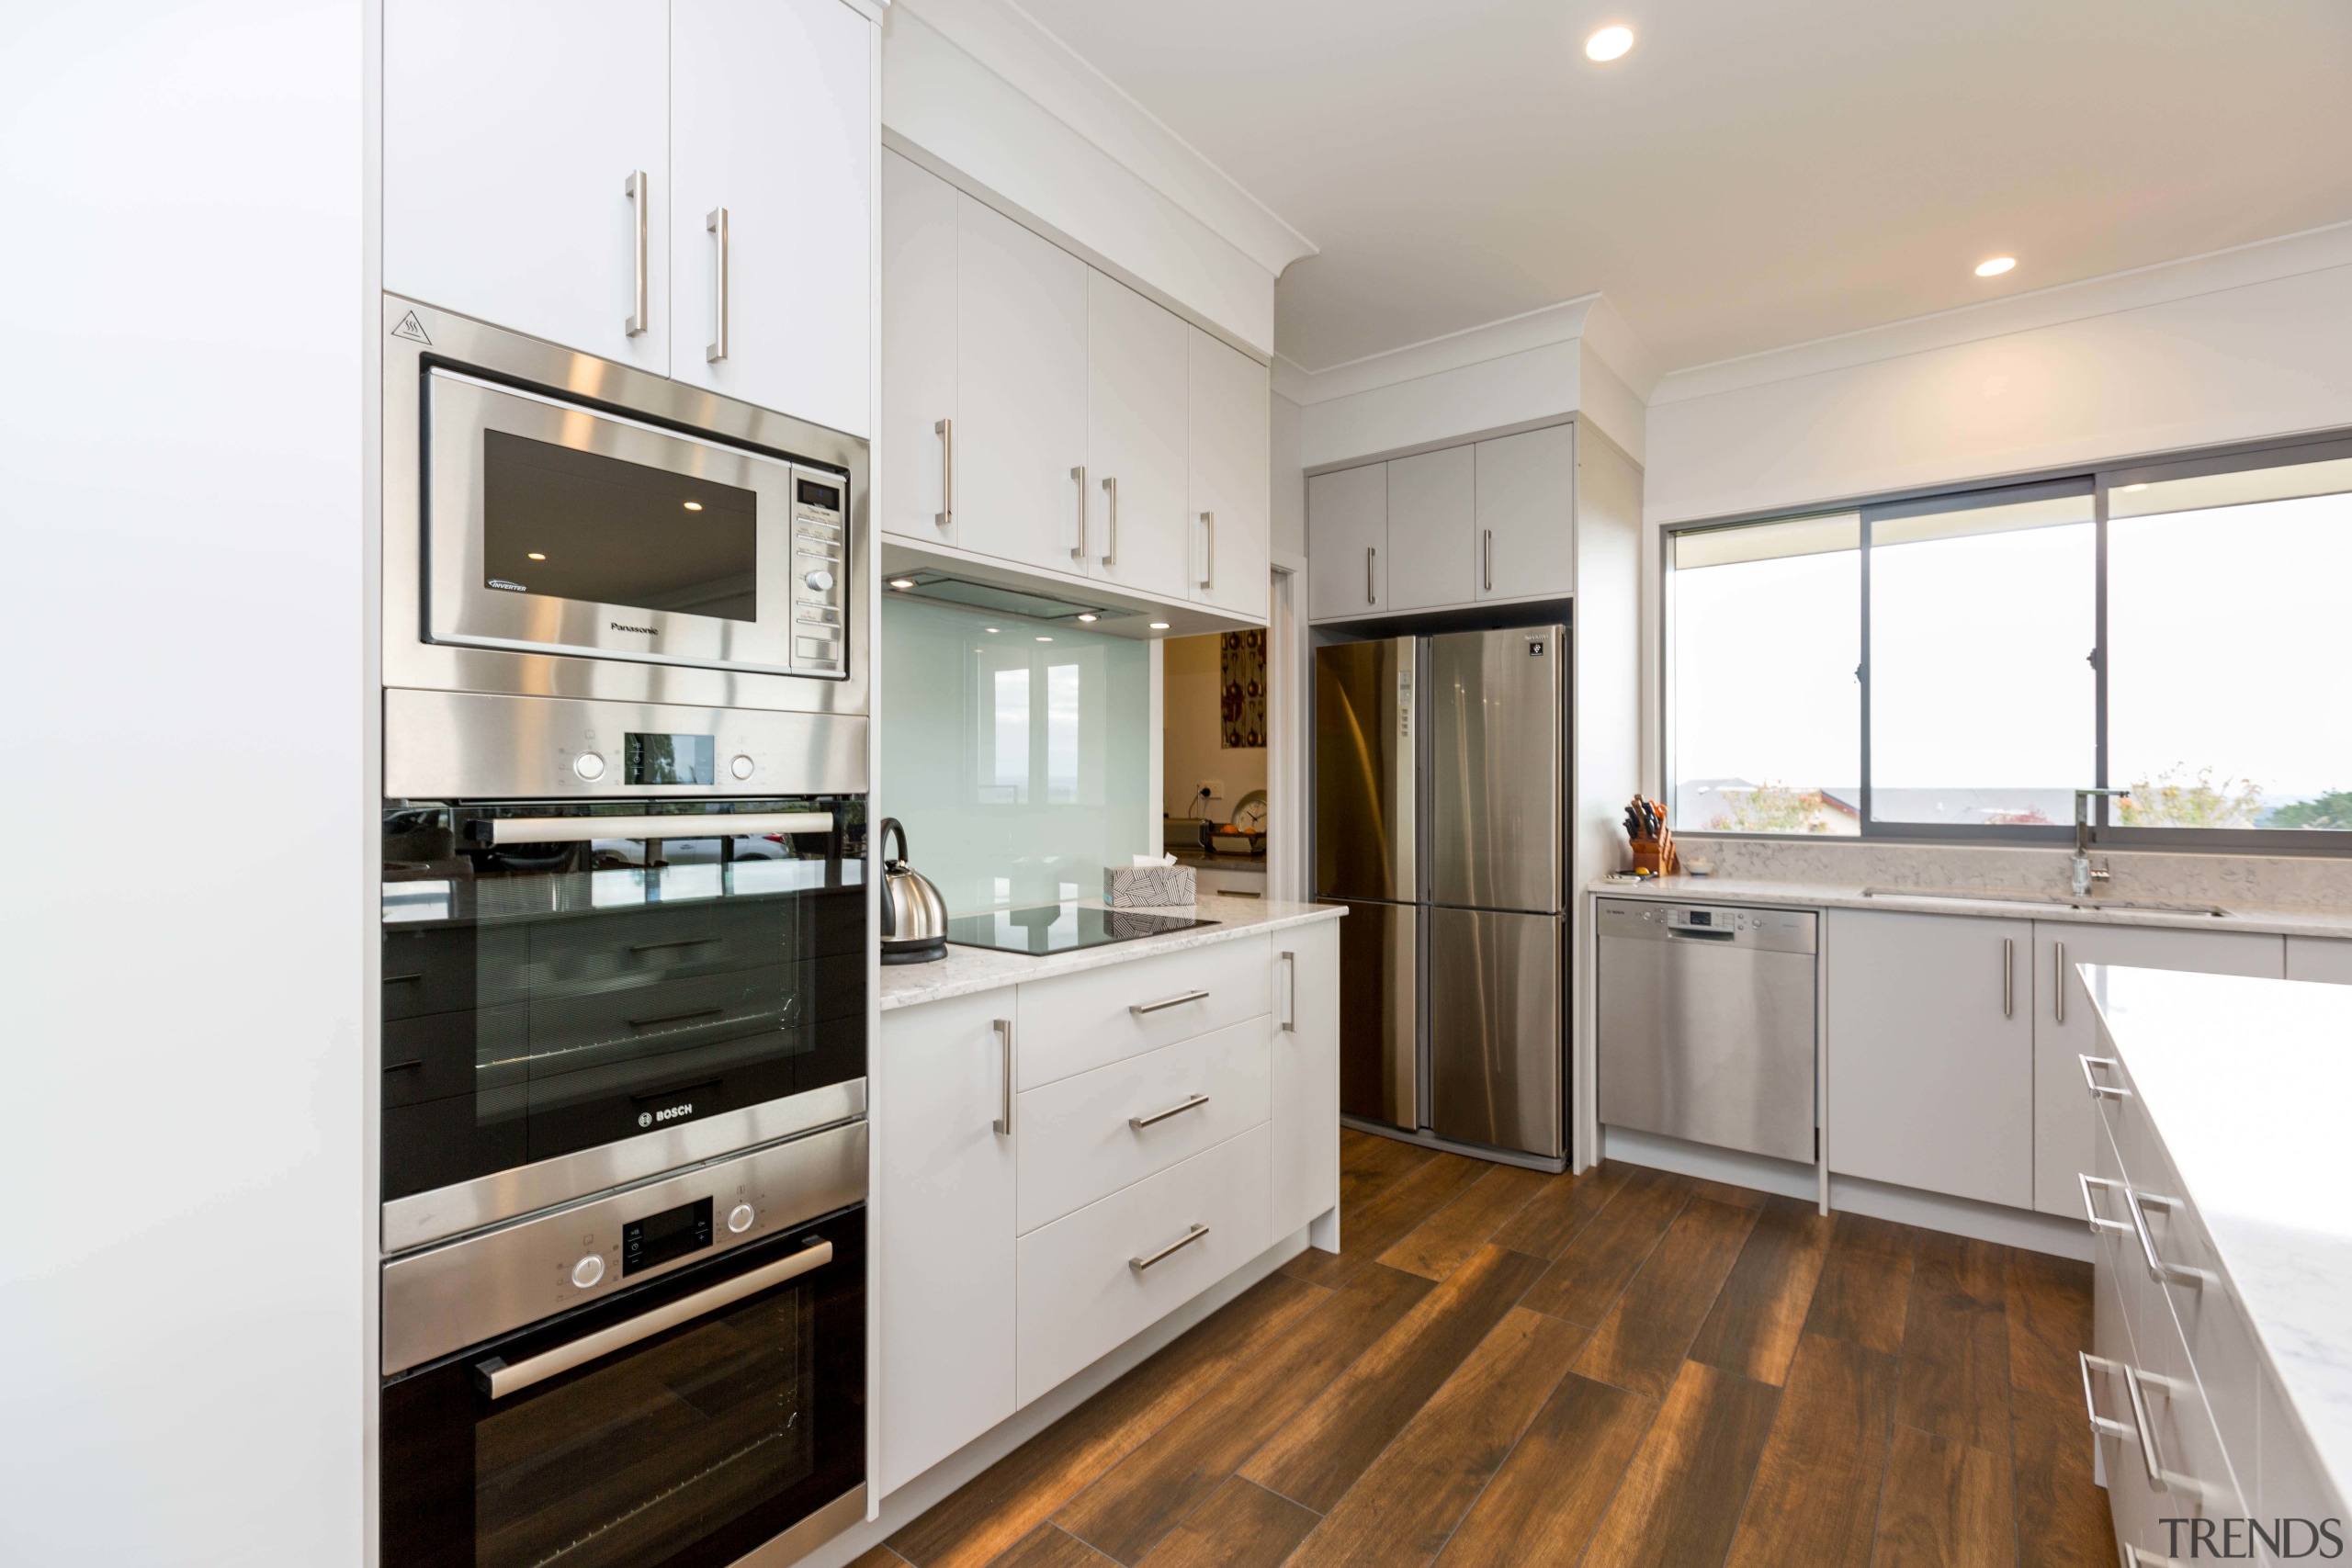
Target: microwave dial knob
x: 740, y: 767
x: 821, y: 582
x: 739, y: 1218
x: 588, y: 1270
x: 589, y: 766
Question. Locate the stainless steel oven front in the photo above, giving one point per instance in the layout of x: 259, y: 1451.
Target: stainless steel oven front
x: 557, y: 524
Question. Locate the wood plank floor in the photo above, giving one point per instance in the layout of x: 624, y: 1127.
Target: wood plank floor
x: 1617, y: 1369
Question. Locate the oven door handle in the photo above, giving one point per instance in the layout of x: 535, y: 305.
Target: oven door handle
x: 498, y: 1379
x: 719, y: 825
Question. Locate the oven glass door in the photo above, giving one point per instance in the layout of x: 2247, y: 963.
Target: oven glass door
x: 545, y: 997
x: 687, y: 1447
x: 552, y: 527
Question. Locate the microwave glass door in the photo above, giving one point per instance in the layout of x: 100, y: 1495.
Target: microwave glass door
x: 545, y: 997
x: 554, y: 529
x: 686, y: 1447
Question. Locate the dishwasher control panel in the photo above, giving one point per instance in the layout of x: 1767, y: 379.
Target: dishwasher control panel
x: 1778, y: 931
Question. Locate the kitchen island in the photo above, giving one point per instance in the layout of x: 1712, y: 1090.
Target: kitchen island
x: 2221, y: 1393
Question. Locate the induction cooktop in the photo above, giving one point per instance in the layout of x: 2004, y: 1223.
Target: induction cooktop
x: 1060, y: 928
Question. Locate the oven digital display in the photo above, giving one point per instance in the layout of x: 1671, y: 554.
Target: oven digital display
x: 670, y: 758
x: 656, y: 1239
x: 811, y: 494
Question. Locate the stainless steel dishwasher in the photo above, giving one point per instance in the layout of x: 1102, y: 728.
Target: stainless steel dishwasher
x: 1706, y: 1024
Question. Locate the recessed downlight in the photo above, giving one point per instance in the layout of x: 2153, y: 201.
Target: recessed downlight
x: 1994, y: 267
x: 987, y: 628
x: 1608, y: 43
x: 694, y: 506
x: 1160, y: 626
x: 1045, y: 639
x: 903, y: 582
x: 537, y: 555
x: 1090, y: 616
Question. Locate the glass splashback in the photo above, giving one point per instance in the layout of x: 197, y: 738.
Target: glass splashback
x: 1017, y: 755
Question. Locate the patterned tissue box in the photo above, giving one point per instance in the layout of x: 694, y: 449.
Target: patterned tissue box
x: 1141, y: 886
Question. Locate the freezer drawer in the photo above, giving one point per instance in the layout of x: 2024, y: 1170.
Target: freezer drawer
x: 1495, y: 1012
x: 1380, y: 1012
x: 1706, y: 1025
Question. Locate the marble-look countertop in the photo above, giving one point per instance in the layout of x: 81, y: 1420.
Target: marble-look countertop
x: 968, y: 970
x: 2247, y: 1081
x: 2023, y: 905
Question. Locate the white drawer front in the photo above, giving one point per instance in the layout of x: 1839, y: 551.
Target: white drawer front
x: 1078, y: 1139
x: 1080, y: 1021
x: 1080, y: 1295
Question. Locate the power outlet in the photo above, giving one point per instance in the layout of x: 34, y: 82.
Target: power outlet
x: 1213, y: 788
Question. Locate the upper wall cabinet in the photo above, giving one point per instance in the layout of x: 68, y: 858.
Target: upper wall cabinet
x: 1043, y: 414
x: 682, y: 186
x: 1492, y: 520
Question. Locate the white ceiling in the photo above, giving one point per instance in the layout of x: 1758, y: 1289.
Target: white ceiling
x: 1755, y: 173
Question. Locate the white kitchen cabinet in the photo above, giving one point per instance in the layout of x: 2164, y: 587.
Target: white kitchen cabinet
x: 945, y: 1190
x: 1305, y: 1102
x: 1931, y: 1021
x: 512, y: 133
x: 1231, y: 495
x: 1433, y: 511
x: 1020, y: 364
x: 1347, y: 542
x: 1138, y: 383
x: 771, y: 126
x: 2066, y: 1029
x: 2319, y: 958
x: 919, y: 336
x: 1526, y: 537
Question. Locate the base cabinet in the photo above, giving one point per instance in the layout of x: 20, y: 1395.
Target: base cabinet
x: 1306, y: 1177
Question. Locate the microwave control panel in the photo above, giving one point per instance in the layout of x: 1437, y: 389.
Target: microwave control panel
x: 820, y: 573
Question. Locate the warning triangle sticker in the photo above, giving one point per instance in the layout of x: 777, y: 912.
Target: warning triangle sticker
x: 413, y: 330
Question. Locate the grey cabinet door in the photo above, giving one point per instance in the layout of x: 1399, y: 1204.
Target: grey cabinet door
x: 1346, y: 543
x: 1526, y: 543
x: 1430, y: 505
x: 1495, y: 1041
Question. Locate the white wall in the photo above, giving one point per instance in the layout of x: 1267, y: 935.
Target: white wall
x: 182, y: 1291
x: 1192, y: 718
x: 1287, y: 486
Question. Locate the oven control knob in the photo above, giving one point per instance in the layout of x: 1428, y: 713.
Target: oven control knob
x: 739, y: 1218
x: 589, y: 766
x: 740, y: 767
x: 588, y: 1270
x: 822, y: 581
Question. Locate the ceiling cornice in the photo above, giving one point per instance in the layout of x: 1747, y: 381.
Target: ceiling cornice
x: 1590, y: 316
x: 1014, y: 45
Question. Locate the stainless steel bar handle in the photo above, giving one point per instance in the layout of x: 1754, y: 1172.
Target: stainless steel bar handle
x: 1487, y: 564
x: 945, y: 431
x: 2061, y: 949
x: 715, y: 225
x: 1369, y: 551
x: 572, y: 829
x: 2009, y: 978
x: 2162, y: 1273
x: 638, y: 317
x: 2101, y: 1426
x: 504, y: 1379
x: 1140, y: 1264
x: 1290, y: 993
x: 1078, y: 551
x: 1192, y: 1102
x: 2101, y: 1090
x: 1111, y: 489
x: 2152, y: 1459
x: 2141, y: 1557
x: 1003, y: 1027
x: 1208, y: 549
x: 1140, y: 1008
x: 2090, y: 1206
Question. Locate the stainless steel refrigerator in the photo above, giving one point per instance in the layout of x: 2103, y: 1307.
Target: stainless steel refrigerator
x: 1439, y: 821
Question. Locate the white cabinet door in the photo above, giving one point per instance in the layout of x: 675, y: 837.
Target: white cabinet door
x: 1931, y: 1053
x: 1431, y: 504
x: 2065, y: 1028
x: 1137, y: 432
x: 1347, y: 542
x: 510, y: 135
x: 944, y: 1215
x: 1527, y: 486
x: 1306, y: 1074
x: 2319, y: 958
x: 771, y: 123
x: 1232, y: 477
x: 917, y: 350
x: 1021, y: 391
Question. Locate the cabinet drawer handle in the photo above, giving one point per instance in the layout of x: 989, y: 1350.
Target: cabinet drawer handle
x: 2141, y: 1557
x: 1208, y: 549
x: 1486, y: 565
x: 637, y: 320
x: 2101, y: 1426
x: 2090, y: 1206
x: 1110, y: 554
x: 1140, y: 1008
x: 1290, y: 993
x: 2101, y: 1090
x: 1193, y: 1103
x: 674, y: 1017
x: 1369, y: 552
x: 1003, y: 1027
x: 945, y: 431
x: 1140, y: 1264
x: 716, y: 226
x: 1078, y: 551
x: 2009, y: 978
x: 2163, y: 1273
x: 2150, y: 1458
x: 2061, y: 1003
x: 677, y: 941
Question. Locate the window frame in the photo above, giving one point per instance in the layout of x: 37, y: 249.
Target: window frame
x: 2096, y: 482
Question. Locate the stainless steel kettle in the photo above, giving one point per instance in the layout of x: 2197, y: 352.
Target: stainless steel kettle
x: 914, y: 917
